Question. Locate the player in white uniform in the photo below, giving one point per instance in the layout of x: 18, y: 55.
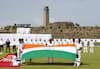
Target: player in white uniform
x: 20, y: 49
x: 25, y: 41
x: 31, y: 41
x: 78, y: 48
x: 55, y: 42
x: 14, y: 44
x: 39, y: 42
x: 64, y: 41
x: 35, y: 41
x: 67, y: 41
x: 91, y: 44
x: 85, y: 46
x: 43, y: 41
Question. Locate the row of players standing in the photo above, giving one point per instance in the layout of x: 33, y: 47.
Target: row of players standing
x: 52, y: 42
x: 7, y: 45
x: 13, y: 43
x: 87, y: 43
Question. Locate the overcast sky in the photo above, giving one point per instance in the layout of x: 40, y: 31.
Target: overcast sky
x: 84, y: 12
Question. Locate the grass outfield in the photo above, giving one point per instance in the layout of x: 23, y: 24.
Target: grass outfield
x: 89, y: 61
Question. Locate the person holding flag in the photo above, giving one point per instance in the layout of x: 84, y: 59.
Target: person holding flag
x: 20, y: 49
x: 78, y: 55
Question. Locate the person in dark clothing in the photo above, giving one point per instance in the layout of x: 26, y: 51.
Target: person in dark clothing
x: 8, y: 46
x: 1, y: 46
x: 14, y: 45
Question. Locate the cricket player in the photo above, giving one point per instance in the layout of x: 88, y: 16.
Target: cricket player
x: 26, y: 41
x: 20, y: 49
x: 8, y: 45
x: 35, y: 41
x: 39, y: 41
x: 43, y: 42
x: 85, y: 46
x: 68, y: 41
x: 91, y: 44
x: 55, y: 42
x: 14, y: 44
x: 78, y: 51
x: 64, y: 41
x: 59, y: 41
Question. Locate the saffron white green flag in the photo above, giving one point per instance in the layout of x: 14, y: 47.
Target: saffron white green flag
x: 67, y: 51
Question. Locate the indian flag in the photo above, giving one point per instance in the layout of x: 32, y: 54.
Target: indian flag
x: 67, y: 51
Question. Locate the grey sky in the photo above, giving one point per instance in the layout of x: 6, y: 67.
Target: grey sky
x: 84, y: 12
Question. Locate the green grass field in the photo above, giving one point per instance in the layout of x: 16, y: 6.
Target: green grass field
x: 89, y: 61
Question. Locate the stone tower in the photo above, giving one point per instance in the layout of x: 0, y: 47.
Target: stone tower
x: 45, y: 16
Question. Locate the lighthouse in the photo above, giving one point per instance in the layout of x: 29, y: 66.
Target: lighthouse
x: 45, y: 16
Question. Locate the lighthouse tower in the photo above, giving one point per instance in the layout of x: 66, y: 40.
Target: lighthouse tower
x: 45, y: 16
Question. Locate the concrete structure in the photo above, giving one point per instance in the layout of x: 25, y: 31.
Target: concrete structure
x: 46, y: 16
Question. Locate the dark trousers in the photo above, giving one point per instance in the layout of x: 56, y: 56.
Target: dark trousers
x: 8, y: 49
x: 1, y: 48
x: 14, y: 48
